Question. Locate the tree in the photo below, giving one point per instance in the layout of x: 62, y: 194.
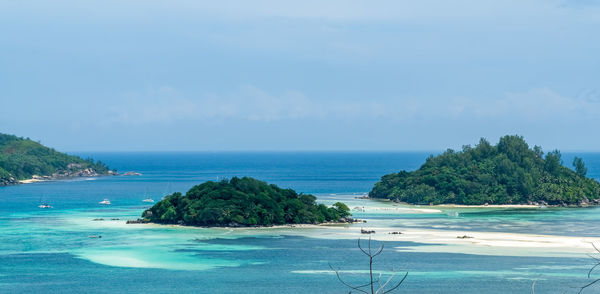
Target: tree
x: 243, y: 202
x: 508, y: 172
x: 538, y: 151
x: 553, y: 162
x: 22, y: 158
x: 342, y: 209
x: 579, y: 166
x: 374, y: 282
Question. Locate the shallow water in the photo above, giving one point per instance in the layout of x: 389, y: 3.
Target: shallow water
x: 49, y: 251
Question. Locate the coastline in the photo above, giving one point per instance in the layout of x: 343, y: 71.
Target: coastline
x: 38, y: 179
x: 452, y: 205
x: 432, y: 240
x: 285, y: 226
x: 490, y: 206
x: 32, y: 180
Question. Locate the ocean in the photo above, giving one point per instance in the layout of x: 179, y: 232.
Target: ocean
x: 49, y: 250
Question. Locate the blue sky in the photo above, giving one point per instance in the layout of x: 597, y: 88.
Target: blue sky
x: 299, y: 75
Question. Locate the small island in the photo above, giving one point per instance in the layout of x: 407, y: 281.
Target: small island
x: 23, y: 160
x: 243, y: 202
x: 508, y: 173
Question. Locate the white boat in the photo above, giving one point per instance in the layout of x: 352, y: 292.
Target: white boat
x: 45, y: 205
x: 149, y: 200
x: 105, y: 202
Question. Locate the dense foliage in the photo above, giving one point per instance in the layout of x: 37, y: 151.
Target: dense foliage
x: 242, y: 202
x: 507, y: 173
x: 22, y: 158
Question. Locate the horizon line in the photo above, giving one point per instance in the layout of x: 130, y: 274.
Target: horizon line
x: 297, y: 151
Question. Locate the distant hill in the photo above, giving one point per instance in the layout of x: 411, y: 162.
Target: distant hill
x: 22, y: 158
x: 507, y: 173
x: 243, y: 202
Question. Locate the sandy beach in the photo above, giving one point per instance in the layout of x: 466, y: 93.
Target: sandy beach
x: 388, y: 203
x: 397, y: 209
x: 29, y: 181
x: 489, y: 206
x: 482, y: 243
x: 446, y: 241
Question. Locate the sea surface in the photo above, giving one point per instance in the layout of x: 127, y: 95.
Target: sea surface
x: 50, y: 250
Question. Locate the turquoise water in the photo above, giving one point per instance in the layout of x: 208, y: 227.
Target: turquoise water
x: 49, y: 251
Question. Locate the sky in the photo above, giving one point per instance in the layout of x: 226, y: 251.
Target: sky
x: 146, y: 75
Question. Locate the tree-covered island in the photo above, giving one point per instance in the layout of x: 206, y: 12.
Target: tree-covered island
x: 508, y: 173
x: 22, y: 158
x: 243, y: 202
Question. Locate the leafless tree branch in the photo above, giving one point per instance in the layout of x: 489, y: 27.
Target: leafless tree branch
x: 589, y: 275
x: 588, y: 285
x: 357, y: 288
x: 372, y: 281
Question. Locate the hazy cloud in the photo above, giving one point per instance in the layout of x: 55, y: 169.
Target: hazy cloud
x: 167, y: 105
x: 247, y: 103
x: 299, y: 74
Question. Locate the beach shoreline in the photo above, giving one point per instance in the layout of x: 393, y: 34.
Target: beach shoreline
x: 488, y: 206
x: 453, y: 205
x: 448, y: 241
x: 32, y: 180
x: 51, y: 179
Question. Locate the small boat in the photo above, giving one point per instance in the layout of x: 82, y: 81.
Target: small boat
x: 94, y: 236
x: 105, y: 202
x: 45, y: 205
x: 149, y: 200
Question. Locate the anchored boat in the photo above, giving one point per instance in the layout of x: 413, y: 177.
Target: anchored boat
x: 105, y: 202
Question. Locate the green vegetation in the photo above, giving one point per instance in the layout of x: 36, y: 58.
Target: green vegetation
x: 22, y: 158
x: 243, y: 202
x: 507, y: 173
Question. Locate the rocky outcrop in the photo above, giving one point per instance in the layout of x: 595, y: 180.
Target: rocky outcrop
x: 75, y: 170
x: 137, y: 221
x: 72, y: 173
x: 8, y: 181
x: 132, y: 173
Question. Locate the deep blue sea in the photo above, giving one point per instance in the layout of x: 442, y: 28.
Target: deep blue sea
x: 49, y: 250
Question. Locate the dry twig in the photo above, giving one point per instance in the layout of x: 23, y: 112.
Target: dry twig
x: 370, y: 286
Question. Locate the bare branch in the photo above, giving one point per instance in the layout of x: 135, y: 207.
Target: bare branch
x: 588, y: 285
x: 382, y: 287
x: 592, y: 269
x: 593, y: 257
x: 379, y: 251
x: 361, y: 249
x: 597, y: 250
x: 372, y: 280
x: 337, y: 273
x: 397, y: 285
x: 378, y: 283
x: 589, y: 275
